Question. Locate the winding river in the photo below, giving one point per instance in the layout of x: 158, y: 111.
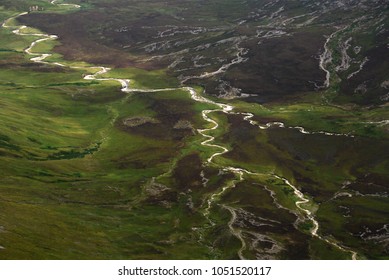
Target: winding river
x: 208, y: 142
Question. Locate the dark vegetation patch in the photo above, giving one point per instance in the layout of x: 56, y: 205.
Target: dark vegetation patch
x: 9, y: 63
x: 76, y: 44
x: 187, y: 172
x: 74, y: 153
x: 257, y: 212
x: 6, y: 142
x: 319, y: 165
x: 369, y: 184
x: 280, y: 67
x: 148, y: 157
x: 305, y: 154
x: 365, y: 88
x: 164, y: 125
x: 123, y: 33
x: 359, y: 222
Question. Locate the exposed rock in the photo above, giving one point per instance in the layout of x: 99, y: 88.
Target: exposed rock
x: 385, y: 84
x: 357, y: 49
x: 385, y: 97
x: 184, y: 125
x: 346, y: 59
x: 138, y: 121
x: 361, y: 89
x: 190, y: 204
x: 229, y: 92
x: 166, y: 204
x: 35, y: 8
x: 155, y: 189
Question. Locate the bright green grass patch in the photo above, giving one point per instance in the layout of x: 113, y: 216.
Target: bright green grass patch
x: 144, y: 79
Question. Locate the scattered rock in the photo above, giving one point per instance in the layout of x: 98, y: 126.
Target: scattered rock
x: 357, y: 49
x: 361, y: 89
x: 226, y: 91
x: 184, y: 125
x: 385, y: 84
x: 138, y: 121
x: 155, y: 189
x: 385, y: 97
x: 35, y: 8
x: 190, y: 204
x: 167, y: 242
x: 165, y: 204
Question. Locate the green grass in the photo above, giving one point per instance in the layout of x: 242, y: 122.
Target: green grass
x: 68, y: 152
